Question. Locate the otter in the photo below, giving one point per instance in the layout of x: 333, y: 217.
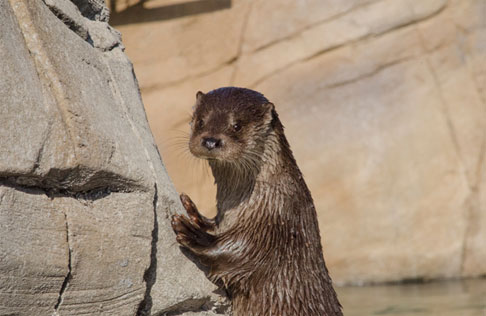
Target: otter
x: 263, y: 246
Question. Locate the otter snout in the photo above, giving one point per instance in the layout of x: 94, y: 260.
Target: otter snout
x: 211, y: 143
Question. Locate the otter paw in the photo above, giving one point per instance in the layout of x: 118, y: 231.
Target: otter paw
x: 189, y: 236
x: 183, y: 231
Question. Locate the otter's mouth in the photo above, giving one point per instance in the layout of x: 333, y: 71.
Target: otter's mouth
x: 203, y: 153
x: 207, y: 158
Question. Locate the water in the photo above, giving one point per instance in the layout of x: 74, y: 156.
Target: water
x: 451, y: 298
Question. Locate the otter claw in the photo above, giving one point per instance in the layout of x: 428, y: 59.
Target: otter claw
x: 194, y: 216
x: 176, y: 223
x: 181, y: 229
x: 189, y: 205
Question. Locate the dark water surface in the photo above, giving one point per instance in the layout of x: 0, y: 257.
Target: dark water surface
x: 448, y: 298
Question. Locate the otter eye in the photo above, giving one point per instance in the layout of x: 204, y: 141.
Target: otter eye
x: 236, y: 126
x: 200, y: 123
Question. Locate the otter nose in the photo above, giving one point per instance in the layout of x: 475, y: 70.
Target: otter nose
x: 211, y: 143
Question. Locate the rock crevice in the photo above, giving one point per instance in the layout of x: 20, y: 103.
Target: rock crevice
x: 150, y: 275
x: 69, y: 269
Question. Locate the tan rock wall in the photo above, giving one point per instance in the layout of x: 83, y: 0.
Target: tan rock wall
x: 384, y: 104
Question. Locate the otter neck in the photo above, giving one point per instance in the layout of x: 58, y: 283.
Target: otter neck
x: 236, y: 181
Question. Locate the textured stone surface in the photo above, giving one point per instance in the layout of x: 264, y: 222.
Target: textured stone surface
x: 34, y: 253
x: 186, y: 55
x: 85, y: 200
x: 384, y: 104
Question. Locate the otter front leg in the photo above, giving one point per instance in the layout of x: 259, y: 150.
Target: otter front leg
x: 191, y: 231
x: 214, y: 251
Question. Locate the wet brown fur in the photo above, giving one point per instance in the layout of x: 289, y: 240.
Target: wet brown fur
x: 264, y: 244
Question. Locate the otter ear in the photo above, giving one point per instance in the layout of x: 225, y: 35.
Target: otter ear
x: 269, y: 112
x: 199, y: 97
x: 269, y: 107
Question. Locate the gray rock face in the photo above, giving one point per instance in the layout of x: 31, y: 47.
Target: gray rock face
x: 85, y: 200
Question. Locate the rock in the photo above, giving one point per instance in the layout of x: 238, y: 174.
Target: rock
x: 360, y: 21
x: 93, y: 9
x: 383, y: 103
x: 35, y: 253
x: 269, y: 23
x: 85, y: 200
x: 474, y: 251
x: 183, y: 54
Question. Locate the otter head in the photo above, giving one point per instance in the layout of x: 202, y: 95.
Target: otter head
x: 230, y: 125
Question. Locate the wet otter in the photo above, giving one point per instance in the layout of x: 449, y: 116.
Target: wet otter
x: 264, y: 244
